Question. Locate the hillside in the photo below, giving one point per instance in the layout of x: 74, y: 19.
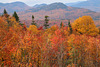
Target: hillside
x: 49, y: 7
x: 57, y: 11
x: 73, y: 3
x: 14, y: 6
x: 93, y: 5
x: 39, y: 5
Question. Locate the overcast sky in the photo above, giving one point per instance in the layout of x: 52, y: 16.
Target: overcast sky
x: 33, y: 2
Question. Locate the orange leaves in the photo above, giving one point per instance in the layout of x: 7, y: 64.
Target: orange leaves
x: 13, y: 50
x: 57, y: 32
x: 52, y: 29
x: 57, y: 38
x: 85, y: 25
x: 54, y: 40
x: 51, y: 47
x: 72, y: 65
x: 3, y: 28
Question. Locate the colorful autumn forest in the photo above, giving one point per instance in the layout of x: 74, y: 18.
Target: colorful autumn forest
x: 76, y: 45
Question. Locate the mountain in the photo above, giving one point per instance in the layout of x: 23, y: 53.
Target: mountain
x: 14, y: 6
x: 93, y: 5
x: 39, y: 5
x: 73, y: 3
x: 57, y: 11
x: 49, y: 7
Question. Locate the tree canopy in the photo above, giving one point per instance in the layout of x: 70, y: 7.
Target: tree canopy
x: 85, y: 25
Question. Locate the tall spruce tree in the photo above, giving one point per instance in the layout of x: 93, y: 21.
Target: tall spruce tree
x: 33, y: 22
x: 46, y: 22
x: 16, y: 16
x: 70, y: 27
x: 5, y: 12
x: 61, y: 24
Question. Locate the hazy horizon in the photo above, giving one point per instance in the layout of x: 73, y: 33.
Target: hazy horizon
x: 34, y: 2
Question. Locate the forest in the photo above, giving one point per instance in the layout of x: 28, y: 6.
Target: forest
x: 75, y: 45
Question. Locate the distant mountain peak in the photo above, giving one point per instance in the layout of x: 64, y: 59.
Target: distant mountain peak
x: 39, y: 5
x: 49, y: 7
x: 18, y: 3
x: 58, y: 5
x: 93, y: 5
x: 14, y: 6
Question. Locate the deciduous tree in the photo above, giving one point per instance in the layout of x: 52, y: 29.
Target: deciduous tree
x: 85, y: 25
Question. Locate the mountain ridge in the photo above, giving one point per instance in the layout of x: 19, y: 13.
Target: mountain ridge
x: 93, y: 5
x: 39, y: 5
x: 57, y: 11
x: 14, y: 6
x: 48, y: 7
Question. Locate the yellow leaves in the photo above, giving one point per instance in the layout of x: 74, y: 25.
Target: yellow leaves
x: 15, y: 26
x: 2, y: 22
x: 71, y: 38
x: 85, y: 25
x: 52, y: 29
x: 3, y: 25
x: 18, y: 54
x: 27, y: 48
x: 33, y: 29
x: 65, y: 33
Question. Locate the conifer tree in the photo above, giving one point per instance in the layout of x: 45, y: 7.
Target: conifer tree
x: 70, y: 27
x: 16, y: 16
x: 46, y: 22
x: 33, y: 22
x: 61, y: 24
x: 5, y: 12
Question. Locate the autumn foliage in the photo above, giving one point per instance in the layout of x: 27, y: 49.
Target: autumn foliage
x: 22, y: 46
x: 85, y: 25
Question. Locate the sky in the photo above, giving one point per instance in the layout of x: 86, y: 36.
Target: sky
x: 33, y: 2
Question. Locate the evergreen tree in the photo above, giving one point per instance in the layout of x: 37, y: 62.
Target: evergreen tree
x: 61, y: 24
x: 46, y: 22
x: 70, y: 27
x: 16, y: 16
x: 5, y: 12
x: 33, y: 22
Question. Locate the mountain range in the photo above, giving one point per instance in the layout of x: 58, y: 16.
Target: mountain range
x: 54, y: 11
x: 93, y: 5
x: 57, y: 11
x: 14, y: 6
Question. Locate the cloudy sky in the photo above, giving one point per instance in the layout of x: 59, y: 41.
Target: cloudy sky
x: 33, y: 2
